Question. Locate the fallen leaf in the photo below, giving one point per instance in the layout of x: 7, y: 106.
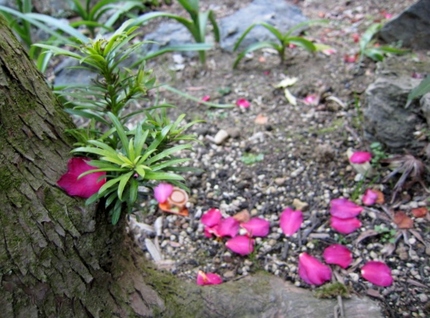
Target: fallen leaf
x: 420, y: 212
x: 261, y: 119
x: 403, y: 221
x: 290, y: 97
x: 364, y: 235
x: 288, y: 81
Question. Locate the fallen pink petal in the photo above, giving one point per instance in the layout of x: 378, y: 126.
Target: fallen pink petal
x: 257, y: 227
x: 228, y: 227
x: 360, y: 157
x: 208, y: 279
x: 85, y: 186
x: 311, y: 99
x: 344, y: 226
x: 211, y: 217
x: 370, y: 197
x: 312, y: 271
x: 206, y: 98
x: 243, y: 103
x: 338, y: 254
x: 241, y: 244
x: 290, y: 221
x: 211, y: 230
x: 377, y: 273
x: 344, y: 209
x: 162, y: 192
x: 350, y: 58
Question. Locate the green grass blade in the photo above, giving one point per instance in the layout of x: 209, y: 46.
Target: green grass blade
x: 254, y: 47
x: 120, y: 131
x: 123, y: 183
x: 302, y: 42
x: 422, y: 89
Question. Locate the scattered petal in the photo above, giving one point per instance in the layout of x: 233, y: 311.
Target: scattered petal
x: 241, y: 244
x: 377, y: 273
x: 243, y: 103
x: 290, y: 97
x: 370, y: 197
x: 206, y: 98
x: 344, y: 226
x: 311, y: 99
x: 356, y: 37
x: 344, y: 209
x: 211, y: 217
x: 403, y: 221
x: 360, y: 157
x: 242, y: 216
x: 290, y: 221
x: 257, y: 227
x: 211, y: 230
x: 208, y: 279
x: 312, y: 271
x: 350, y: 58
x: 228, y: 227
x: 288, y: 81
x: 162, y: 192
x: 338, y: 254
x: 85, y: 186
x: 261, y: 119
x: 420, y: 212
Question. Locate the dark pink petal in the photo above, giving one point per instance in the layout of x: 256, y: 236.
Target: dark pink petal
x: 344, y: 209
x: 312, y: 271
x: 212, y: 230
x: 206, y: 98
x: 162, y: 192
x: 257, y: 227
x: 350, y: 58
x: 241, y: 244
x: 338, y: 254
x: 377, y: 273
x: 82, y: 187
x: 360, y: 157
x: 243, y: 103
x: 228, y: 227
x: 344, y: 226
x: 208, y: 279
x: 290, y: 221
x: 370, y: 197
x: 211, y: 217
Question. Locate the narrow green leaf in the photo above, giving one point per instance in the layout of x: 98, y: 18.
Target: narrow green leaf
x: 167, y: 152
x: 123, y: 183
x: 166, y: 176
x: 116, y: 212
x: 257, y: 46
x: 422, y: 89
x: 120, y: 131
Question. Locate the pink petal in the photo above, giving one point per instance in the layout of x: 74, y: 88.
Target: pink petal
x: 206, y: 98
x: 377, y: 273
x: 228, y: 227
x: 311, y: 99
x: 312, y: 271
x: 338, y: 254
x: 162, y: 192
x: 211, y: 230
x: 211, y: 217
x: 344, y: 209
x: 257, y: 227
x: 356, y: 37
x: 344, y: 226
x: 241, y: 244
x: 208, y: 279
x: 290, y: 221
x: 82, y: 187
x: 350, y: 58
x: 370, y: 197
x: 243, y: 103
x: 360, y: 157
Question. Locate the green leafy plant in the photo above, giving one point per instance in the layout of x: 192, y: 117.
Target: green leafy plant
x: 387, y: 235
x: 283, y: 40
x: 250, y: 158
x: 422, y: 89
x: 377, y: 152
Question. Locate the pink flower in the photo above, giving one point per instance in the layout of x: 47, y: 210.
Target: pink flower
x: 344, y: 209
x: 257, y: 227
x: 162, y: 192
x: 241, y: 244
x: 344, y: 226
x: 206, y: 98
x: 85, y: 186
x: 228, y: 227
x: 211, y: 217
x: 311, y: 99
x: 338, y: 254
x: 290, y: 221
x: 208, y: 279
x: 211, y: 230
x: 360, y: 157
x: 312, y: 271
x: 243, y: 103
x: 377, y: 273
x: 370, y: 197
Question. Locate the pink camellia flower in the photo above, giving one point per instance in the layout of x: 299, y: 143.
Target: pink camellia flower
x: 360, y: 157
x: 344, y: 209
x: 211, y: 217
x: 338, y: 254
x: 206, y: 98
x: 228, y: 227
x: 257, y: 227
x: 162, y: 192
x: 85, y: 186
x: 241, y: 244
x: 290, y: 221
x: 243, y: 103
x: 208, y: 279
x: 370, y: 197
x: 312, y: 271
x: 377, y: 273
x: 344, y: 226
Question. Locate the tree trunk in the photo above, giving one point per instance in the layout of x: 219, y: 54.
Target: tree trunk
x: 59, y: 258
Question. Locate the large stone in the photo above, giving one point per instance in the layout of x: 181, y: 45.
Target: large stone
x: 411, y: 27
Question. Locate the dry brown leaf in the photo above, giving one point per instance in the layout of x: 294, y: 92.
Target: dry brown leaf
x: 364, y: 235
x: 380, y: 199
x: 420, y: 212
x: 374, y: 293
x: 403, y: 221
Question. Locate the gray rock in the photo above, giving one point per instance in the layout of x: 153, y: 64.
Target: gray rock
x: 277, y: 13
x: 411, y: 27
x: 386, y: 118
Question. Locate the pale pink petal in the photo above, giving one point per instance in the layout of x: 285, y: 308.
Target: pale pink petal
x: 162, y: 191
x: 312, y: 271
x: 377, y: 273
x: 344, y: 209
x: 241, y: 244
x: 356, y: 37
x: 338, y: 254
x: 370, y: 197
x: 360, y: 157
x: 344, y: 226
x: 85, y: 186
x: 311, y: 99
x: 257, y: 227
x: 290, y: 221
x: 228, y: 227
x: 243, y: 103
x: 206, y: 98
x: 211, y: 217
x: 208, y: 279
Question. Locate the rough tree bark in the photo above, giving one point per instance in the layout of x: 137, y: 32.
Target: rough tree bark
x: 59, y: 258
